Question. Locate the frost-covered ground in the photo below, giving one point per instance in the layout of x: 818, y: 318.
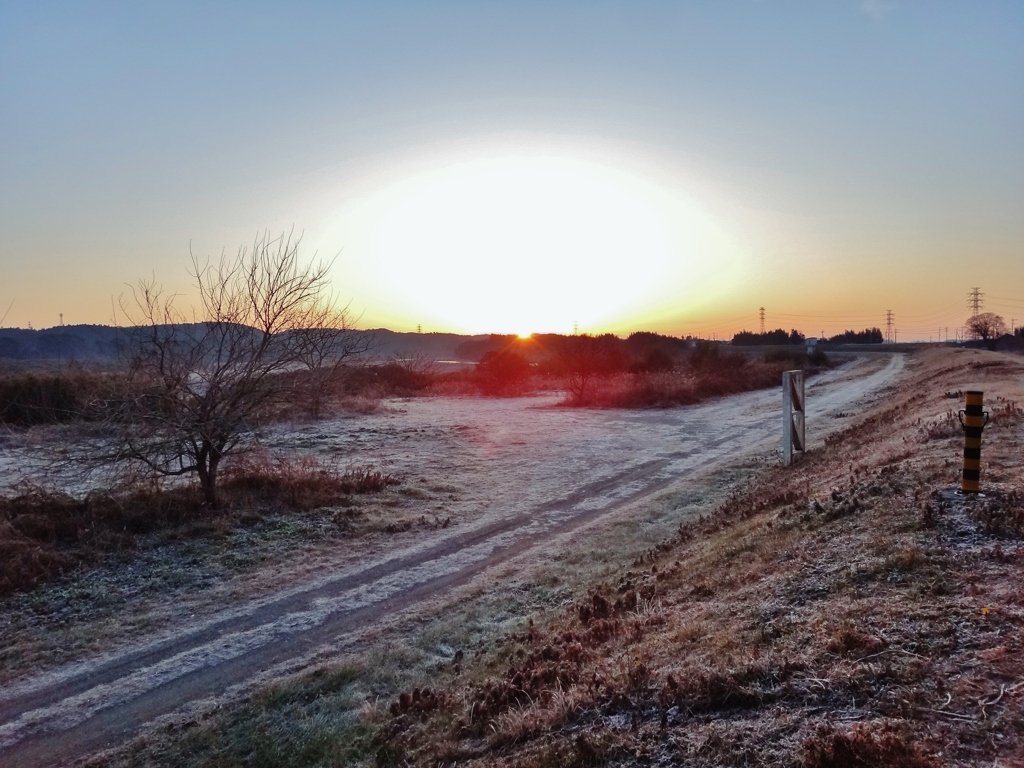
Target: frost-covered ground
x: 506, y: 455
x: 506, y: 476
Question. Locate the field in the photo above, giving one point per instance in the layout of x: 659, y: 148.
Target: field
x: 551, y: 586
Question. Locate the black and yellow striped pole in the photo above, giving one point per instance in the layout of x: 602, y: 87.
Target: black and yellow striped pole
x: 973, y: 419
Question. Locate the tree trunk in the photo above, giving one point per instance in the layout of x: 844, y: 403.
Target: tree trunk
x: 207, y: 463
x: 211, y: 493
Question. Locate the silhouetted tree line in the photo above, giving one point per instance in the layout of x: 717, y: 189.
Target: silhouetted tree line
x: 73, y: 342
x: 475, y: 349
x: 867, y: 336
x: 638, y: 346
x: 777, y: 337
x: 505, y: 362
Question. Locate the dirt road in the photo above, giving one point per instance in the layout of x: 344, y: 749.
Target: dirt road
x: 534, y: 473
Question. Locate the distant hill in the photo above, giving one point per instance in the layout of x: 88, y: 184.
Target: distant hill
x: 99, y: 343
x: 434, y: 346
x: 65, y: 342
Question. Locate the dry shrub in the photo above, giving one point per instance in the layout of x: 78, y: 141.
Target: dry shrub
x: 301, y: 482
x: 946, y: 427
x: 1000, y: 513
x: 649, y: 390
x: 586, y: 750
x: 455, y: 384
x: 45, y: 533
x: 863, y: 746
x: 848, y: 640
x: 32, y: 399
x: 418, y: 703
x: 706, y: 691
x: 24, y: 563
x: 728, y: 375
x: 1007, y: 412
x: 397, y: 378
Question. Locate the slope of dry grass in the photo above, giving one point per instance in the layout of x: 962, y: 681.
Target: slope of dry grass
x: 851, y: 611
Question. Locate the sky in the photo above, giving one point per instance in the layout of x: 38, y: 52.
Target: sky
x: 521, y: 167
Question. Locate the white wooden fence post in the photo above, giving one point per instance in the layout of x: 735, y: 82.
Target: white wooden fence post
x: 792, y: 414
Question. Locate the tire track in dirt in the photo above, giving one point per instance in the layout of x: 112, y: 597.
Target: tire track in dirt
x: 70, y: 712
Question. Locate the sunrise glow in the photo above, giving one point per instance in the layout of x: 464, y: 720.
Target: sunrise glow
x: 480, y: 245
x: 501, y: 167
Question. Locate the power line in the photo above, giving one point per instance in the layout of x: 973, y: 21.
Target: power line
x: 761, y: 313
x: 949, y: 308
x: 826, y: 317
x: 888, y: 325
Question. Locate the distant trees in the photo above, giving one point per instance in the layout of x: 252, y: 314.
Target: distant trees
x: 502, y: 372
x: 654, y: 352
x: 777, y: 337
x: 867, y: 336
x: 987, y: 327
x: 581, y: 359
x: 327, y: 346
x: 475, y: 349
x: 654, y: 360
x: 199, y: 382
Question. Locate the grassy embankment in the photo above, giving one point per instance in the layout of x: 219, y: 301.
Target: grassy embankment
x: 849, y: 611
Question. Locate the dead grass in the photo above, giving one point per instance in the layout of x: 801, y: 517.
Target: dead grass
x: 45, y: 534
x: 35, y: 398
x: 723, y: 375
x: 864, y: 744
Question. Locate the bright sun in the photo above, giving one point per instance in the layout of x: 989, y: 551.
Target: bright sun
x: 489, y: 245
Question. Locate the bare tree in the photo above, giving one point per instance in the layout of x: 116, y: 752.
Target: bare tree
x: 581, y: 359
x: 200, y: 382
x: 331, y: 342
x: 987, y: 327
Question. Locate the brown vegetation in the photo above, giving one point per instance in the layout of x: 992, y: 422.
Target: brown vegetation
x: 706, y: 371
x: 852, y: 611
x: 45, y: 534
x: 41, y: 397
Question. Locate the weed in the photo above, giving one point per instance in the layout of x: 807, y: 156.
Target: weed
x: 1000, y: 513
x: 944, y: 428
x: 863, y: 746
x: 849, y: 640
x: 44, y: 534
x: 32, y: 399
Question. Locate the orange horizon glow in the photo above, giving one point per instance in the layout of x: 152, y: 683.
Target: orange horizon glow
x: 561, y: 238
x: 476, y: 244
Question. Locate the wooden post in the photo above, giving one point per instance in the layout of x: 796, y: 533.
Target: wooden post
x: 792, y: 414
x: 973, y: 418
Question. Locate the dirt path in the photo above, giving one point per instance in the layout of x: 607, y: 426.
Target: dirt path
x: 554, y: 471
